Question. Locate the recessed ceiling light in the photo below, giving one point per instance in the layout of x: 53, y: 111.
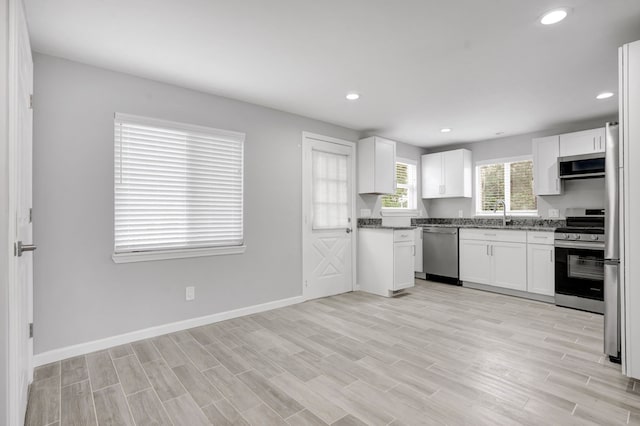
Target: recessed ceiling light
x: 604, y: 95
x: 553, y: 16
x: 445, y: 130
x: 353, y: 96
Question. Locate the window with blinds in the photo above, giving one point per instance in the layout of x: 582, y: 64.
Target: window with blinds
x: 177, y: 186
x: 406, y: 196
x: 510, y: 181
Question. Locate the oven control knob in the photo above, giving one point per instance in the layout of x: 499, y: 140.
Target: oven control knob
x: 566, y: 236
x: 575, y: 237
x: 594, y: 237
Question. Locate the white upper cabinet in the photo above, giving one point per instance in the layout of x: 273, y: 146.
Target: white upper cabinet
x: 584, y: 142
x: 545, y: 165
x: 376, y: 166
x: 447, y: 174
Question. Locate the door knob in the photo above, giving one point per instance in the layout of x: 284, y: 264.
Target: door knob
x: 349, y: 230
x: 20, y: 248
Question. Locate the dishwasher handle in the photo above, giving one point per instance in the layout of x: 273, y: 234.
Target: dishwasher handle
x: 435, y: 230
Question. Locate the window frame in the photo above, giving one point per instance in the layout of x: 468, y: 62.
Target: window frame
x: 507, y: 188
x: 413, y: 200
x: 183, y: 252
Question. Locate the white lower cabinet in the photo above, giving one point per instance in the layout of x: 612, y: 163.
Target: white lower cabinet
x: 509, y: 265
x: 494, y: 257
x: 475, y: 265
x: 541, y: 270
x: 386, y: 260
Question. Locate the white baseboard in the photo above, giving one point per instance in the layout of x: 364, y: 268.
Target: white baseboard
x: 121, y: 339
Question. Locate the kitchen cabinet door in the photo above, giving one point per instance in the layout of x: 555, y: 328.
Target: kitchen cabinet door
x: 541, y: 269
x: 432, y: 176
x: 403, y: 264
x: 456, y: 166
x: 475, y: 263
x: 545, y: 165
x: 376, y: 166
x: 509, y: 265
x: 584, y: 142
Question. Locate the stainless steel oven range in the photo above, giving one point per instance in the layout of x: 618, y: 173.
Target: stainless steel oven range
x: 579, y: 265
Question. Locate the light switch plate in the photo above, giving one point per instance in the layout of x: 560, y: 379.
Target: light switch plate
x: 554, y: 213
x: 365, y: 212
x: 190, y: 293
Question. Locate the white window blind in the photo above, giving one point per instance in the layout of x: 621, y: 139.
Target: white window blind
x: 330, y: 190
x: 177, y: 186
x: 406, y: 188
x: 507, y: 180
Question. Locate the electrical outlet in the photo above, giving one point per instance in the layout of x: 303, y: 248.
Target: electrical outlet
x: 460, y: 213
x: 554, y: 213
x: 190, y: 293
x: 365, y: 212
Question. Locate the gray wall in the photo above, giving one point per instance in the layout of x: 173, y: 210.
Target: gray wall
x: 583, y: 193
x: 80, y: 294
x: 4, y: 217
x: 373, y: 202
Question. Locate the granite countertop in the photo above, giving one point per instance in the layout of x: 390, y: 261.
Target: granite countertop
x: 517, y: 223
x: 398, y: 228
x: 481, y: 226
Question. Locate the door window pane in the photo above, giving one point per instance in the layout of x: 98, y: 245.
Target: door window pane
x: 330, y: 190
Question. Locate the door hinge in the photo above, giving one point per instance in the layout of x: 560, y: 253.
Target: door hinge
x: 31, y: 101
x: 30, y: 330
x: 30, y: 214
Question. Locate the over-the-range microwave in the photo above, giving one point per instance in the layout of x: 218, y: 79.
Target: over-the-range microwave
x: 582, y: 166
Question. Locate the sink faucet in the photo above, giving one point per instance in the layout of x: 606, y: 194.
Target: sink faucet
x: 505, y: 221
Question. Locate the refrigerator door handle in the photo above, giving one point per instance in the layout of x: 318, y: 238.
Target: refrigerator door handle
x: 611, y: 309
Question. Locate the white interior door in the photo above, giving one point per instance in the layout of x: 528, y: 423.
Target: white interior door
x: 328, y: 249
x: 21, y: 281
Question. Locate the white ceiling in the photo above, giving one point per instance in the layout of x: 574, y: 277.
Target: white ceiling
x: 477, y: 66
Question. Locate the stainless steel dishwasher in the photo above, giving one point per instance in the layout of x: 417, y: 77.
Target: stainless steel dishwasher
x: 440, y: 253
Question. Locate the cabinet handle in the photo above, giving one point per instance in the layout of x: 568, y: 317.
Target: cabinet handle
x: 414, y: 250
x: 594, y: 143
x: 488, y: 250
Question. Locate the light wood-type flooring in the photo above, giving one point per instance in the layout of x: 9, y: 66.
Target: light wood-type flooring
x: 437, y: 355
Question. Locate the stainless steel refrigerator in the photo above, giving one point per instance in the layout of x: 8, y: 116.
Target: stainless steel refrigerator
x: 612, y: 244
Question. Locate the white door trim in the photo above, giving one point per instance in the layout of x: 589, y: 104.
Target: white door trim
x: 306, y: 136
x: 15, y: 407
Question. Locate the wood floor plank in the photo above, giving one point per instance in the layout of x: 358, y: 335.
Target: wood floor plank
x: 228, y: 358
x: 169, y: 351
x: 318, y: 405
x: 305, y: 418
x: 234, y: 390
x: 202, y: 359
x: 184, y: 411
x: 223, y: 413
x: 74, y: 370
x: 263, y: 416
x: 145, y: 351
x: 101, y: 370
x: 111, y: 406
x: 147, y: 410
x: 76, y: 405
x: 131, y: 374
x: 120, y: 351
x: 202, y: 391
x: 44, y: 402
x: 46, y: 371
x: 163, y: 380
x: 272, y: 395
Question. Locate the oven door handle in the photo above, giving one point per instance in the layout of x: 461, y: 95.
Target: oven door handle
x: 579, y: 245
